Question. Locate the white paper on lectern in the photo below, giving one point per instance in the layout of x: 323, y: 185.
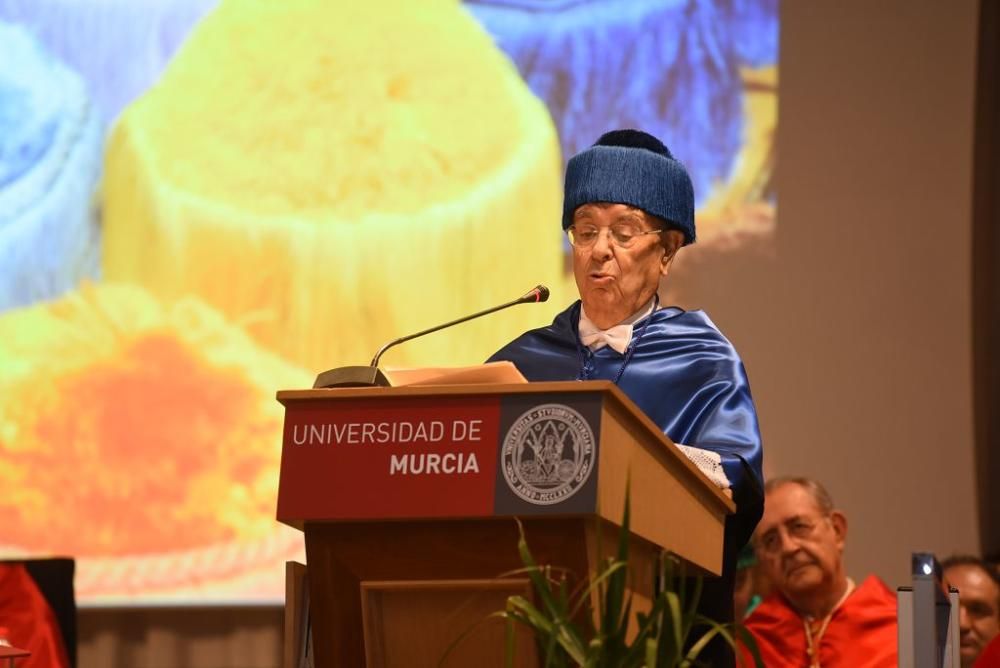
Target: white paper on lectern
x: 492, y: 372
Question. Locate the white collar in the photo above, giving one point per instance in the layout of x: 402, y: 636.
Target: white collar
x: 618, y: 336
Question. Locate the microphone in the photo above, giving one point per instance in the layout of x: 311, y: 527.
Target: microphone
x: 372, y: 376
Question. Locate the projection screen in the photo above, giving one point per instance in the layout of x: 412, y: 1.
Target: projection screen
x: 202, y: 203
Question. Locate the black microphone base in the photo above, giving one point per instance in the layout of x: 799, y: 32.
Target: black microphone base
x: 352, y: 376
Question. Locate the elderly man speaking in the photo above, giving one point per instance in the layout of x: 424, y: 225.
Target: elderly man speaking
x: 628, y: 209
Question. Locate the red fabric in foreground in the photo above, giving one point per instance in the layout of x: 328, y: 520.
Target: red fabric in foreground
x: 861, y: 633
x: 27, y: 621
x: 990, y: 658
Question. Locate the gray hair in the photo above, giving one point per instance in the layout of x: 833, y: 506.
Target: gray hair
x: 819, y: 494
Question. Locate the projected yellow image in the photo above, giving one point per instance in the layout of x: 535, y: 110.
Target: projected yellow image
x: 132, y: 429
x: 301, y: 182
x: 315, y: 198
x: 740, y: 210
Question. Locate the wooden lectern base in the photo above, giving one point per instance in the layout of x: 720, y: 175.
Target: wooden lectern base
x: 364, y: 615
x: 396, y: 628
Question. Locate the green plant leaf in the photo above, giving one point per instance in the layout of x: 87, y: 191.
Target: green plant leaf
x: 650, y: 646
x: 692, y: 608
x: 714, y: 629
x: 673, y: 605
x: 597, y: 582
x: 556, y: 629
x: 539, y: 582
x: 614, y: 602
x: 747, y: 640
x: 661, y: 635
x: 509, y: 642
x: 457, y: 641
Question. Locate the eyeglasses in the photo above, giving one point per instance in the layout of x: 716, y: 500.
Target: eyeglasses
x: 797, y: 529
x: 622, y: 235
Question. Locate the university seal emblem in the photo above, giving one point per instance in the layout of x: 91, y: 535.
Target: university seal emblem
x: 548, y: 454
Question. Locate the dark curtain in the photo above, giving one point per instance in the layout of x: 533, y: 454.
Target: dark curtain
x: 986, y: 277
x: 54, y: 578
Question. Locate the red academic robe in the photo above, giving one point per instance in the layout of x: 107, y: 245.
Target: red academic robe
x: 990, y: 657
x: 27, y: 620
x: 861, y: 633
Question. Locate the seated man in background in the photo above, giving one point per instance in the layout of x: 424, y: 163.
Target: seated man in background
x: 979, y: 603
x: 816, y: 615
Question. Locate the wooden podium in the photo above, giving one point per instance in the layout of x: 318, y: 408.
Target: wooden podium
x: 407, y: 498
x: 11, y: 653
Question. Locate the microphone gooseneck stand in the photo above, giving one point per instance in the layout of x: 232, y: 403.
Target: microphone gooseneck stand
x: 372, y: 376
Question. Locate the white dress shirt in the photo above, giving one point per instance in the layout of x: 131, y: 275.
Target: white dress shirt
x: 618, y: 336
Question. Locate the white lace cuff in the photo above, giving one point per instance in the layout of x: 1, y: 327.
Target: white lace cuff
x: 710, y: 463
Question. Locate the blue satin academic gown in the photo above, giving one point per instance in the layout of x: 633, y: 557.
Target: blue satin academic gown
x: 686, y: 376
